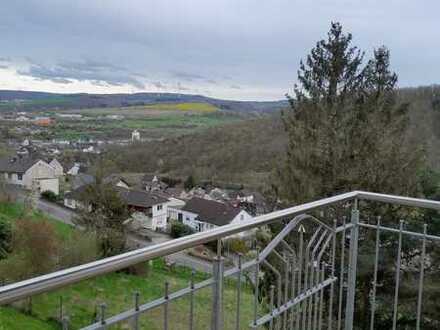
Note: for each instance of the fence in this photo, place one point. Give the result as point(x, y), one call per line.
point(305, 277)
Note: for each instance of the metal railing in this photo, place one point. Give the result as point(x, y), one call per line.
point(304, 278)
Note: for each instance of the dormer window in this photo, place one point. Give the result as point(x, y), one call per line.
point(19, 177)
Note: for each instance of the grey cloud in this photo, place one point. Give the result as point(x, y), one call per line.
point(187, 76)
point(159, 85)
point(98, 73)
point(235, 87)
point(181, 87)
point(221, 40)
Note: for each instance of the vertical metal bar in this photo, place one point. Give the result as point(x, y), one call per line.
point(65, 323)
point(217, 295)
point(136, 308)
point(286, 290)
point(191, 302)
point(341, 275)
point(316, 298)
point(102, 315)
point(256, 291)
point(351, 292)
point(237, 317)
point(332, 287)
point(321, 299)
point(165, 306)
point(61, 310)
point(421, 278)
point(271, 305)
point(376, 264)
point(301, 262)
point(307, 260)
point(396, 289)
point(292, 295)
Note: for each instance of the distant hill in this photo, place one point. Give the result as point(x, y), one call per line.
point(32, 101)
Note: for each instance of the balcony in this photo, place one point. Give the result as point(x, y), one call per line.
point(307, 276)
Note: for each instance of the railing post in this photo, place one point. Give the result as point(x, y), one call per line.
point(217, 295)
point(351, 290)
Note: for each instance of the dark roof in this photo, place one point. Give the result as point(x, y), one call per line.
point(216, 213)
point(77, 193)
point(17, 164)
point(82, 179)
point(130, 197)
point(140, 198)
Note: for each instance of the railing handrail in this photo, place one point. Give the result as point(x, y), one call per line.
point(48, 282)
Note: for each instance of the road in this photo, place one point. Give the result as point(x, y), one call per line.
point(58, 212)
point(66, 216)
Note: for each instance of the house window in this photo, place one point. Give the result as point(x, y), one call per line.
point(241, 217)
point(180, 217)
point(19, 177)
point(159, 207)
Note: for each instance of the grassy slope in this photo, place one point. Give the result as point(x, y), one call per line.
point(116, 290)
point(10, 212)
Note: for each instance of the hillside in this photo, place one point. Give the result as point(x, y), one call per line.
point(246, 152)
point(31, 101)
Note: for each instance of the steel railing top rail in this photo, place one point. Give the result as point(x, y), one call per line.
point(48, 282)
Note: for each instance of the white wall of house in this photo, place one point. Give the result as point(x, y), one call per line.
point(159, 216)
point(75, 205)
point(189, 219)
point(59, 170)
point(14, 178)
point(70, 203)
point(242, 216)
point(51, 184)
point(40, 170)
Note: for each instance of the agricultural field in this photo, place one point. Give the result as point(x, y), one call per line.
point(153, 121)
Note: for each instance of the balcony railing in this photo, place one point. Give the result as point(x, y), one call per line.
point(305, 277)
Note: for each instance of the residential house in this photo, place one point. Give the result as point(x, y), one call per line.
point(29, 172)
point(74, 199)
point(135, 135)
point(202, 214)
point(152, 182)
point(75, 169)
point(150, 204)
point(59, 170)
point(154, 207)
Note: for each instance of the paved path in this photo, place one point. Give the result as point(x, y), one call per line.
point(58, 212)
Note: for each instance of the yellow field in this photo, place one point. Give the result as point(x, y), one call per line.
point(188, 106)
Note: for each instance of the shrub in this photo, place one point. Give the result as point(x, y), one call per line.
point(5, 238)
point(49, 195)
point(238, 245)
point(35, 250)
point(179, 229)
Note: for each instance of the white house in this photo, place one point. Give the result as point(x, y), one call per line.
point(135, 135)
point(202, 214)
point(59, 170)
point(74, 170)
point(154, 207)
point(74, 199)
point(29, 172)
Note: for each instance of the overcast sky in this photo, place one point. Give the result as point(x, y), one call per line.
point(237, 49)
